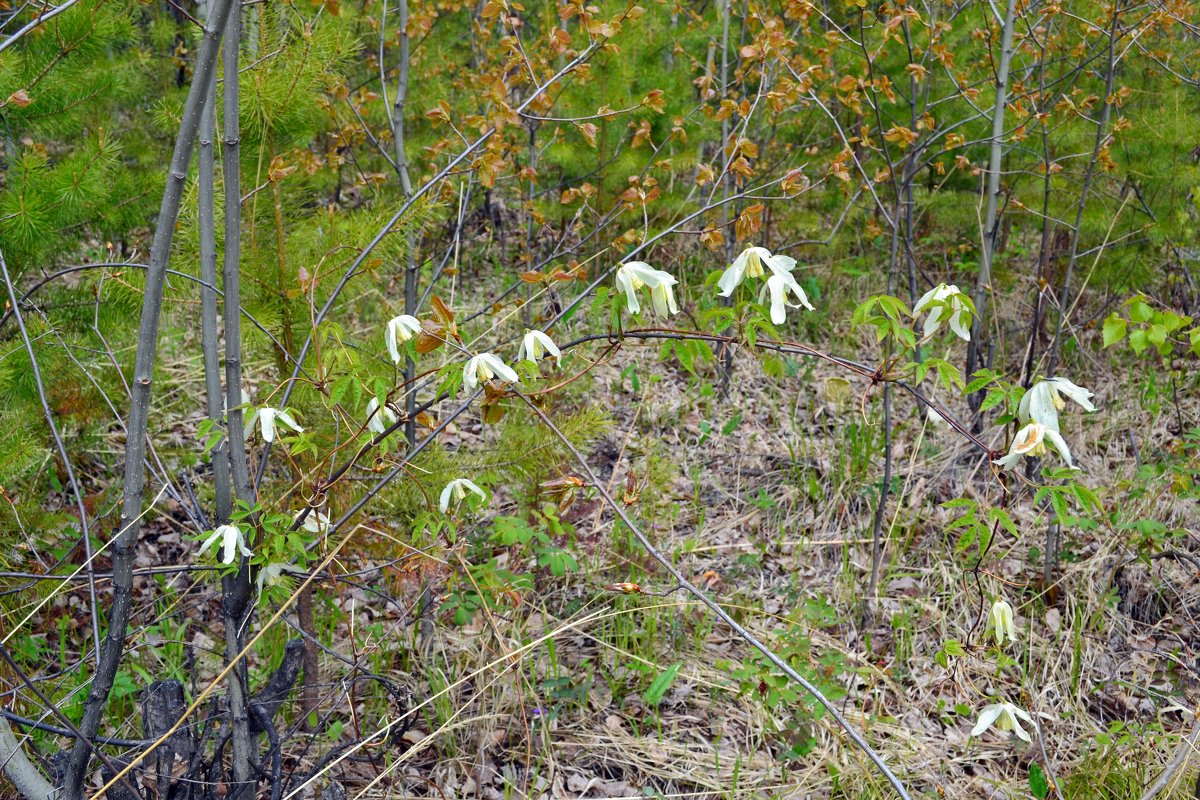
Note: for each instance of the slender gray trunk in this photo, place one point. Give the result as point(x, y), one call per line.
point(726, 179)
point(1053, 537)
point(231, 173)
point(235, 588)
point(991, 218)
point(410, 272)
point(19, 769)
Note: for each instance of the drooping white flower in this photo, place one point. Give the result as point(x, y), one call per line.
point(232, 542)
point(400, 329)
point(636, 274)
point(1042, 402)
point(1002, 622)
point(315, 522)
point(270, 418)
point(456, 492)
point(379, 418)
point(245, 401)
point(749, 264)
point(1031, 441)
point(780, 285)
point(951, 301)
point(485, 367)
point(537, 344)
point(272, 575)
point(1005, 717)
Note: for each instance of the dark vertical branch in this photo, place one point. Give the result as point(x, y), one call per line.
point(1050, 565)
point(1085, 192)
point(410, 272)
point(207, 221)
point(886, 481)
point(232, 176)
point(726, 178)
point(126, 537)
point(235, 588)
point(1048, 227)
point(991, 217)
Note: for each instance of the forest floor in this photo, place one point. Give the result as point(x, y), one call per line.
point(764, 492)
point(765, 496)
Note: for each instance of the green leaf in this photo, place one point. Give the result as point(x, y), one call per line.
point(1139, 311)
point(977, 384)
point(732, 425)
point(1139, 341)
point(1004, 518)
point(659, 686)
point(1114, 330)
point(1039, 787)
point(953, 648)
point(994, 398)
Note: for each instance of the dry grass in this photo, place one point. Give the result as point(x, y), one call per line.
point(546, 699)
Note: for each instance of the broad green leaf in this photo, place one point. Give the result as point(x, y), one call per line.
point(657, 689)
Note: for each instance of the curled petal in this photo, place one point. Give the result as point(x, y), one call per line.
point(986, 718)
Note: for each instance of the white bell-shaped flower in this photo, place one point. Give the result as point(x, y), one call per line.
point(1043, 401)
point(314, 522)
point(400, 329)
point(1031, 441)
point(636, 274)
point(379, 417)
point(456, 491)
point(269, 419)
point(780, 286)
point(945, 301)
point(485, 367)
point(536, 344)
point(272, 575)
point(1005, 717)
point(1002, 622)
point(232, 542)
point(750, 264)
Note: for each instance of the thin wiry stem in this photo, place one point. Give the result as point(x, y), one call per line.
point(991, 218)
point(80, 509)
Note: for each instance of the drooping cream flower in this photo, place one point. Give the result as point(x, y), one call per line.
point(1002, 622)
point(1031, 441)
point(949, 300)
point(315, 522)
point(1042, 402)
point(1005, 717)
point(379, 418)
point(780, 285)
point(232, 542)
point(750, 264)
point(536, 344)
point(456, 491)
point(269, 419)
point(485, 367)
point(272, 575)
point(400, 329)
point(636, 274)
